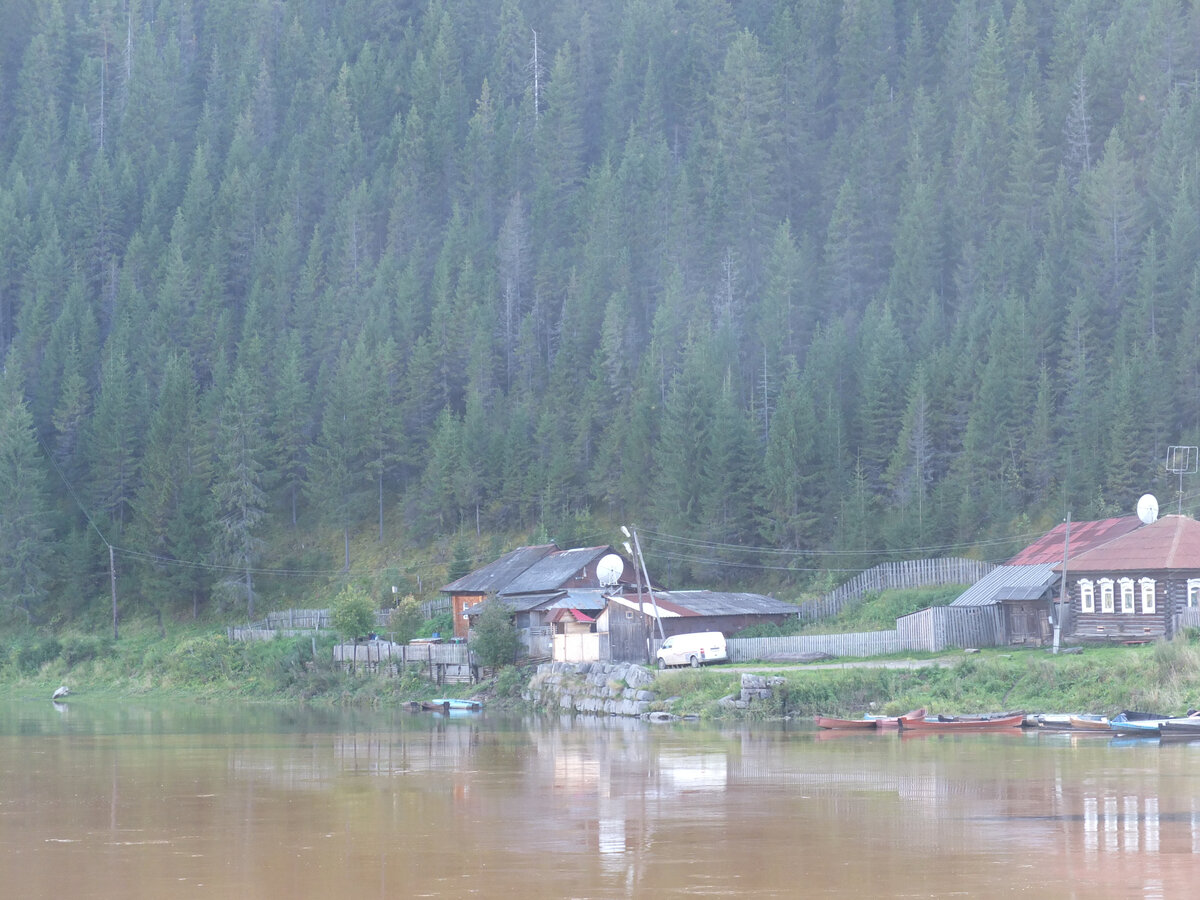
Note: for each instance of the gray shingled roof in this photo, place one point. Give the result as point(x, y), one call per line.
point(552, 571)
point(1008, 583)
point(719, 603)
point(497, 575)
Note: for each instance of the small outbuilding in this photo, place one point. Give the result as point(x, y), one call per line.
point(635, 622)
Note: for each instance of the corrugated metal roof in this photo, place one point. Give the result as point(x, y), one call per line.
point(1084, 536)
point(571, 613)
point(630, 601)
point(519, 603)
point(1008, 583)
point(709, 603)
point(580, 598)
point(497, 575)
point(553, 570)
point(1171, 542)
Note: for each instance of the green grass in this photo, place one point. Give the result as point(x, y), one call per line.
point(873, 611)
point(1163, 677)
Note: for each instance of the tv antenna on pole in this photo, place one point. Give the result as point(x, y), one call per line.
point(1182, 461)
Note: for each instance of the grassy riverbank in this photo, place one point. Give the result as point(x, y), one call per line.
point(197, 661)
point(1160, 677)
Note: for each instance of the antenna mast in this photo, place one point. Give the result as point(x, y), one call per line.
point(1182, 461)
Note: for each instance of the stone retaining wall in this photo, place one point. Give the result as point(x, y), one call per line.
point(596, 688)
point(622, 689)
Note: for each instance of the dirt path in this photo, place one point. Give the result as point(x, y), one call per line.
point(940, 662)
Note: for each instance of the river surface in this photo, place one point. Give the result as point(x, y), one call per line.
point(137, 800)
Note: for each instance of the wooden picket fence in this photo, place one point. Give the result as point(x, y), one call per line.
point(441, 663)
point(934, 629)
point(903, 575)
point(290, 623)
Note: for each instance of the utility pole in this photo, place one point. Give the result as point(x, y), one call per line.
point(1062, 587)
point(112, 578)
point(642, 562)
point(641, 608)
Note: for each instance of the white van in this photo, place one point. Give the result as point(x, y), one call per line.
point(694, 649)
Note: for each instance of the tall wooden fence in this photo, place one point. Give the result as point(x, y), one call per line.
point(911, 573)
point(290, 623)
point(441, 662)
point(934, 629)
point(799, 647)
point(941, 627)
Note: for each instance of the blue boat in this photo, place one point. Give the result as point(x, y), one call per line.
point(1137, 724)
point(451, 704)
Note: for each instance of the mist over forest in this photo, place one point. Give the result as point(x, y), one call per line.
point(295, 290)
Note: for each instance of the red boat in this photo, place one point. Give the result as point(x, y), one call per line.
point(894, 721)
point(866, 723)
point(963, 723)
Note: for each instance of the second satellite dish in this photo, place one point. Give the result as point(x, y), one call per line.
point(1147, 508)
point(609, 569)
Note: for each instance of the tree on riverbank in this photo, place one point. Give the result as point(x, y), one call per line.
point(25, 525)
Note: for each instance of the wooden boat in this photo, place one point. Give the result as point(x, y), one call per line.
point(451, 704)
point(1186, 727)
point(863, 724)
point(894, 721)
point(964, 723)
point(866, 723)
point(1073, 722)
point(1089, 723)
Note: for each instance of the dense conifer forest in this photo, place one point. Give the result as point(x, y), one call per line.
point(794, 286)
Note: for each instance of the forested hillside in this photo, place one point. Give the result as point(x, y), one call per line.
point(791, 285)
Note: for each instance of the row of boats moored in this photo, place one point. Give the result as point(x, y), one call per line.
point(1126, 723)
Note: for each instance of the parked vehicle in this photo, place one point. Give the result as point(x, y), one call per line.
point(693, 649)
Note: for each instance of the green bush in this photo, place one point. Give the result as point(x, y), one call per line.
point(352, 613)
point(204, 660)
point(405, 620)
point(495, 641)
point(442, 624)
point(34, 655)
point(82, 648)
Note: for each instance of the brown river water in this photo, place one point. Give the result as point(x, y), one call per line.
point(101, 799)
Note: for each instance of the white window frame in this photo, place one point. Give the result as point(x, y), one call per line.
point(1193, 593)
point(1107, 596)
point(1149, 595)
point(1126, 585)
point(1087, 594)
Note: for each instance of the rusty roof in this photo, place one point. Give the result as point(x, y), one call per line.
point(499, 574)
point(1171, 542)
point(1084, 536)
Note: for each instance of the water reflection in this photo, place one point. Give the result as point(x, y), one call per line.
point(133, 799)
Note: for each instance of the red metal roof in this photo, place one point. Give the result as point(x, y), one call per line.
point(561, 613)
point(1084, 537)
point(1172, 542)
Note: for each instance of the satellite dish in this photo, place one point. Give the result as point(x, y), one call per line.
point(1147, 508)
point(609, 569)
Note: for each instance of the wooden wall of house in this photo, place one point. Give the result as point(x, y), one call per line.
point(728, 625)
point(627, 632)
point(458, 603)
point(1026, 622)
point(1120, 627)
